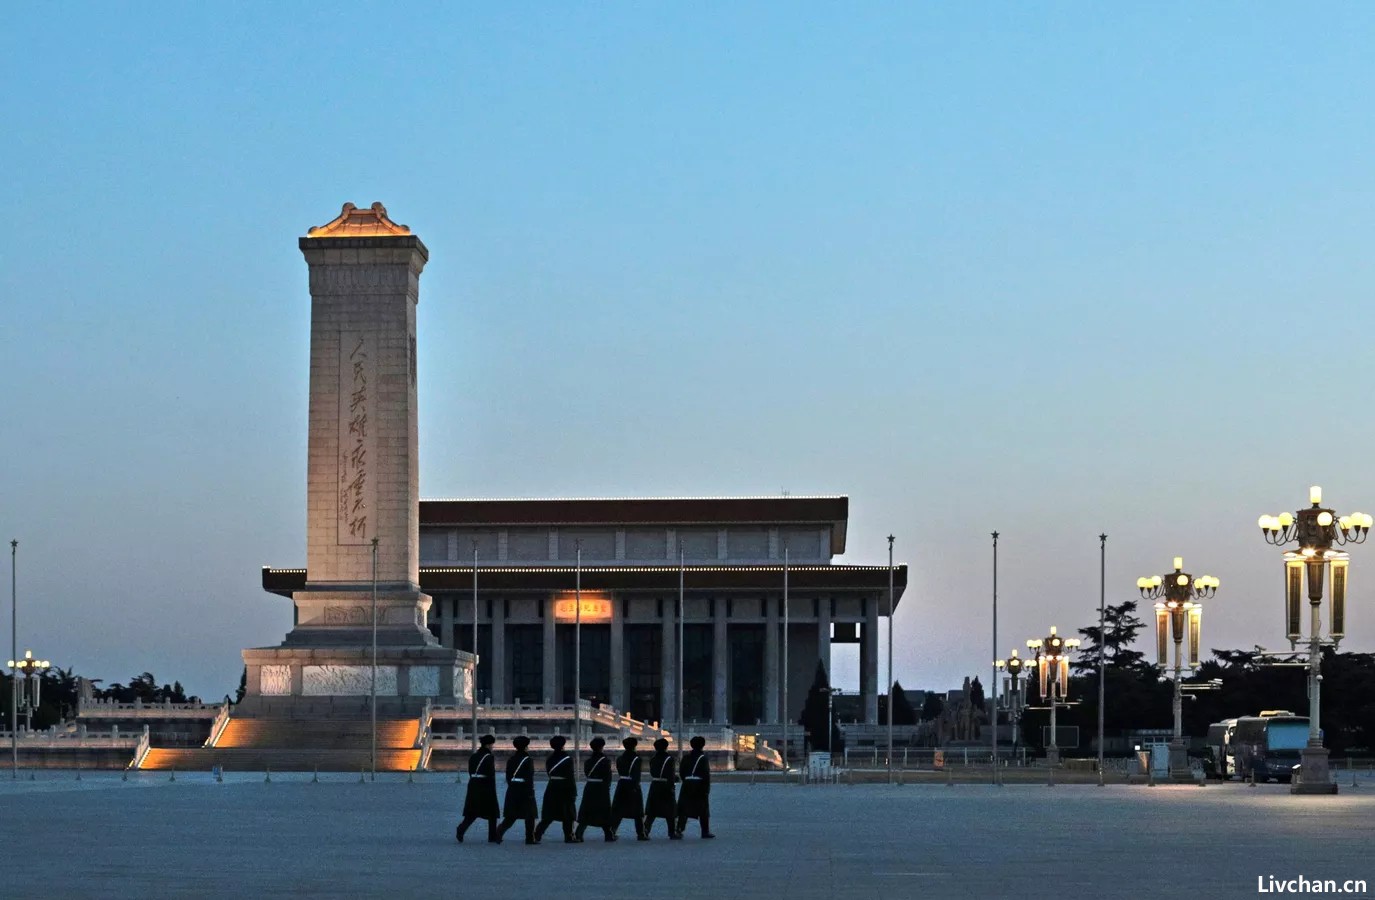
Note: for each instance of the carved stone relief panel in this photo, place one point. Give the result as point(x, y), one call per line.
point(347, 681)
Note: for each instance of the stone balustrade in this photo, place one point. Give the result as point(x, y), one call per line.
point(112, 709)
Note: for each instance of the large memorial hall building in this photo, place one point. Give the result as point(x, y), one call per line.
point(732, 576)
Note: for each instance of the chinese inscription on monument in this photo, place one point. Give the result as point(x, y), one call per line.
point(357, 455)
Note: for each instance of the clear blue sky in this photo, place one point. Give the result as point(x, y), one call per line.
point(1052, 269)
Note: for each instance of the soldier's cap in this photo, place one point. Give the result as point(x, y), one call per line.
point(597, 743)
point(520, 741)
point(661, 745)
point(630, 743)
point(557, 742)
point(487, 739)
point(698, 742)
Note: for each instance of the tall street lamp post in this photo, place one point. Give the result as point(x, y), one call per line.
point(476, 658)
point(1316, 531)
point(1013, 700)
point(890, 660)
point(1179, 600)
point(1052, 665)
point(14, 651)
point(31, 670)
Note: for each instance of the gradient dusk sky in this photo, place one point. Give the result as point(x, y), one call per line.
point(1053, 269)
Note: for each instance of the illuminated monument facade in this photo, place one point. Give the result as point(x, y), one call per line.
point(363, 485)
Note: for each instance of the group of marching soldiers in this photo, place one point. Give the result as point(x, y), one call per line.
point(601, 808)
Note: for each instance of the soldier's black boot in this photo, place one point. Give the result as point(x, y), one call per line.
point(706, 828)
point(577, 835)
point(539, 830)
point(530, 832)
point(610, 834)
point(461, 829)
point(568, 833)
point(641, 832)
point(494, 832)
point(682, 823)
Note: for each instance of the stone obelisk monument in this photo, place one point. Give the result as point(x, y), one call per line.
point(363, 485)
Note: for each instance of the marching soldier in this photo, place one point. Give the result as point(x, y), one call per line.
point(561, 794)
point(693, 799)
point(520, 791)
point(481, 799)
point(628, 802)
point(660, 801)
point(596, 793)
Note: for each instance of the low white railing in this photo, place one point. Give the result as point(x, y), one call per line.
point(600, 714)
point(425, 737)
point(108, 709)
point(141, 751)
point(69, 738)
point(217, 729)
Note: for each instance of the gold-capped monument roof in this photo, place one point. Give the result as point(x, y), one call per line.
point(355, 222)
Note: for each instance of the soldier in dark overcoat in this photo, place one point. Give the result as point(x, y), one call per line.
point(660, 804)
point(694, 798)
point(520, 791)
point(481, 799)
point(561, 794)
point(596, 793)
point(628, 802)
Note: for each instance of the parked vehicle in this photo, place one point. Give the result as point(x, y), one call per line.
point(1219, 756)
point(1267, 746)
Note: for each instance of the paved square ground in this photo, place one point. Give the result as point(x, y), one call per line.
point(148, 837)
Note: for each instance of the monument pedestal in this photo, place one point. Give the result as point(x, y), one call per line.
point(337, 680)
point(1317, 777)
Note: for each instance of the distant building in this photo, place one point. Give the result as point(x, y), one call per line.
point(733, 551)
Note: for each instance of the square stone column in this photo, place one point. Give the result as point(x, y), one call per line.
point(617, 660)
point(498, 669)
point(446, 622)
point(668, 665)
point(720, 656)
point(551, 671)
point(868, 660)
point(823, 635)
point(772, 694)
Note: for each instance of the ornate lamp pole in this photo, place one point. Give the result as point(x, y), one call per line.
point(1013, 700)
point(1052, 663)
point(1316, 531)
point(31, 670)
point(1178, 597)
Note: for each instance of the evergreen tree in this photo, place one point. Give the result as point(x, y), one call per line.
point(903, 714)
point(932, 706)
point(243, 686)
point(1122, 627)
point(816, 717)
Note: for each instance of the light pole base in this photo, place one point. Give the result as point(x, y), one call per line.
point(1316, 777)
point(1180, 772)
point(1053, 756)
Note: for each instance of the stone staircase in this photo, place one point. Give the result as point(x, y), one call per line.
point(288, 744)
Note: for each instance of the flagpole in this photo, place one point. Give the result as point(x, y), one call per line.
point(681, 610)
point(890, 659)
point(994, 716)
point(475, 656)
point(1102, 672)
point(14, 655)
point(577, 660)
point(785, 661)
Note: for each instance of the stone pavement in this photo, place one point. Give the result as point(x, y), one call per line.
point(149, 837)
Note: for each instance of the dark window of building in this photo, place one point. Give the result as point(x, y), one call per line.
point(746, 674)
point(526, 644)
point(697, 673)
point(596, 662)
point(644, 651)
point(463, 640)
